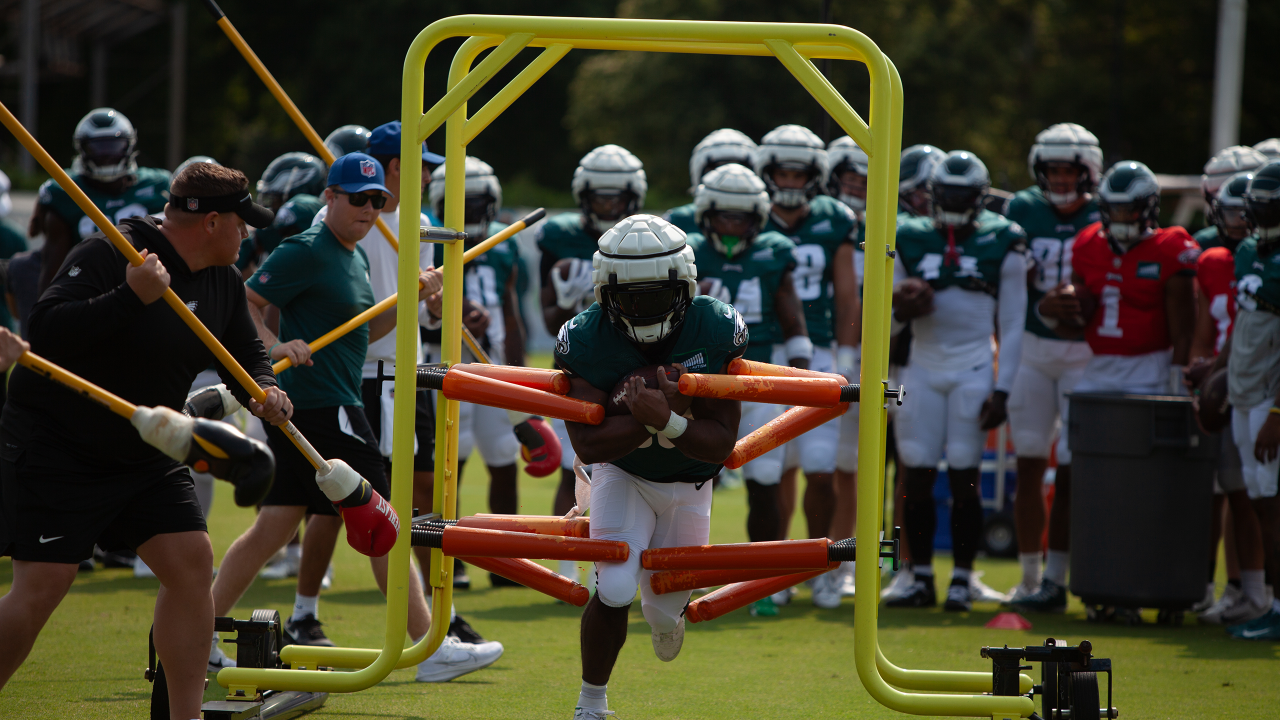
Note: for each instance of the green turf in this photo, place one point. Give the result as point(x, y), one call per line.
point(89, 660)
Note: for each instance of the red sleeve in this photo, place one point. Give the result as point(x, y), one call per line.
point(1182, 249)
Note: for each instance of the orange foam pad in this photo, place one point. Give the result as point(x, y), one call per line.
point(732, 597)
point(531, 574)
point(545, 379)
point(792, 554)
point(809, 392)
point(669, 581)
point(468, 542)
point(578, 527)
point(781, 430)
point(739, 366)
point(464, 386)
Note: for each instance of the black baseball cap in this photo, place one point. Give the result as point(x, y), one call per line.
point(240, 203)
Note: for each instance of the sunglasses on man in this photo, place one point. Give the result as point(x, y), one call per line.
point(359, 199)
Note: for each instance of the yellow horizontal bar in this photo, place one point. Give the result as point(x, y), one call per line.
point(474, 80)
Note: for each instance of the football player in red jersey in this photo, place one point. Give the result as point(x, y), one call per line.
point(1131, 295)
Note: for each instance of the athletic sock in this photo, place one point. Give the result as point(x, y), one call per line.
point(1254, 586)
point(593, 696)
point(1055, 567)
point(304, 606)
point(1031, 572)
point(961, 574)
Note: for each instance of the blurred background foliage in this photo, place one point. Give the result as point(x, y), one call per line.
point(982, 75)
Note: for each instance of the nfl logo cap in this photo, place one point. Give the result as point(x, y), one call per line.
point(386, 141)
point(357, 172)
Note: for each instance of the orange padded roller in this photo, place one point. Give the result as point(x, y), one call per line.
point(553, 381)
point(578, 527)
point(781, 430)
point(669, 581)
point(739, 366)
point(793, 554)
point(469, 387)
point(468, 542)
point(531, 574)
point(732, 597)
point(805, 391)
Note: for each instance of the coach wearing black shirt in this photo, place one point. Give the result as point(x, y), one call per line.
point(73, 474)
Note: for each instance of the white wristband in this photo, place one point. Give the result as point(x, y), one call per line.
point(675, 426)
point(799, 346)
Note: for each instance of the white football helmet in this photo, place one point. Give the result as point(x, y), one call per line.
point(609, 171)
point(1129, 202)
point(721, 147)
point(958, 186)
point(792, 147)
point(1066, 143)
point(1225, 163)
point(644, 277)
point(106, 146)
point(483, 197)
point(731, 188)
point(1269, 147)
point(845, 155)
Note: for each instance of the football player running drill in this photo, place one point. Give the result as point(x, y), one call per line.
point(1130, 295)
point(954, 273)
point(1066, 163)
point(793, 163)
point(740, 264)
point(1215, 315)
point(721, 147)
point(651, 479)
point(608, 185)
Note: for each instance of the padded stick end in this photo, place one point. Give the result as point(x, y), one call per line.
point(534, 217)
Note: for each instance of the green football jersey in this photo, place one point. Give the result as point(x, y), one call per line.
point(829, 224)
point(683, 218)
point(562, 237)
point(1257, 277)
point(1050, 237)
point(712, 334)
point(750, 281)
point(922, 249)
point(1207, 237)
point(147, 196)
point(485, 282)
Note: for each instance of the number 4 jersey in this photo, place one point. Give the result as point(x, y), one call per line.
point(750, 282)
point(1131, 317)
point(829, 224)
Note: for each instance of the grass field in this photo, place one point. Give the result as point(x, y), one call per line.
point(89, 660)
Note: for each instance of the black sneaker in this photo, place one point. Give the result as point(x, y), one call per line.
point(461, 580)
point(959, 599)
point(498, 581)
point(1050, 598)
point(463, 631)
point(921, 595)
point(306, 631)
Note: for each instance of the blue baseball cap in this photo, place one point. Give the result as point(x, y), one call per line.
point(386, 141)
point(357, 172)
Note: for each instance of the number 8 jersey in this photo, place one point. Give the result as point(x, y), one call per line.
point(1130, 288)
point(829, 224)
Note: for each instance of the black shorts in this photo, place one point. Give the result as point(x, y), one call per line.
point(356, 445)
point(424, 427)
point(55, 509)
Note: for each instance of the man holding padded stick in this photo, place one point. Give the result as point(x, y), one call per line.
point(72, 474)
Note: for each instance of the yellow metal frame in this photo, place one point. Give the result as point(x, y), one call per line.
point(796, 46)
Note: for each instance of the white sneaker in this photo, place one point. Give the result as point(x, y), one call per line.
point(981, 592)
point(826, 590)
point(581, 713)
point(217, 658)
point(846, 583)
point(285, 567)
point(1019, 591)
point(140, 569)
point(667, 645)
point(902, 585)
point(1230, 598)
point(1246, 610)
point(1207, 602)
point(456, 658)
point(783, 597)
point(326, 582)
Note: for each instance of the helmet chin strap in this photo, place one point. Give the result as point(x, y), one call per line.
point(649, 334)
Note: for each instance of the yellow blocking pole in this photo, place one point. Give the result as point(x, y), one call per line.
point(290, 108)
point(64, 181)
point(102, 396)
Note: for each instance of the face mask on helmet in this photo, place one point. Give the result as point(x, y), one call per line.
point(605, 207)
point(1063, 183)
point(647, 312)
point(956, 205)
point(478, 212)
point(731, 233)
point(1264, 216)
point(791, 185)
point(848, 182)
point(1128, 223)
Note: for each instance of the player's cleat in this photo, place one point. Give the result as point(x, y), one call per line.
point(1246, 610)
point(826, 590)
point(86, 566)
point(461, 580)
point(763, 607)
point(284, 567)
point(1051, 597)
point(901, 585)
point(217, 658)
point(462, 630)
point(1230, 597)
point(981, 592)
point(1019, 591)
point(455, 658)
point(959, 597)
point(782, 598)
point(921, 595)
point(326, 582)
point(307, 631)
point(1207, 602)
point(140, 569)
point(846, 579)
point(581, 713)
point(667, 645)
point(1266, 627)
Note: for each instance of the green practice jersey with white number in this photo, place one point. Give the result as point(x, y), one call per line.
point(922, 248)
point(829, 224)
point(750, 281)
point(485, 283)
point(1049, 238)
point(146, 196)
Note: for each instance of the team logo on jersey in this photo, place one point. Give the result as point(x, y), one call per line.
point(193, 204)
point(367, 168)
point(264, 278)
point(764, 255)
point(1148, 270)
point(286, 216)
point(822, 227)
point(1064, 228)
point(739, 328)
point(1188, 256)
point(562, 339)
point(114, 203)
point(147, 191)
point(730, 267)
point(984, 239)
point(74, 271)
point(193, 305)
